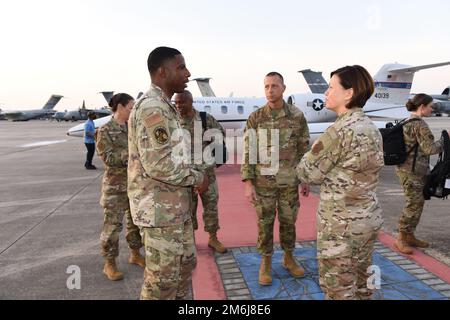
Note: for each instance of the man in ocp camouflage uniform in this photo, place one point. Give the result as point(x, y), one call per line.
point(276, 190)
point(160, 183)
point(191, 121)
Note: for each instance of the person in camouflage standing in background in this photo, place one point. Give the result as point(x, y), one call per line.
point(275, 189)
point(112, 147)
point(191, 121)
point(346, 161)
point(413, 171)
point(160, 182)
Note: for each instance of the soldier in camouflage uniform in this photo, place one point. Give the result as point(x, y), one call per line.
point(191, 121)
point(346, 161)
point(112, 147)
point(412, 174)
point(273, 191)
point(160, 183)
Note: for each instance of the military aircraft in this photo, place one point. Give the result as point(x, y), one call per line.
point(59, 116)
point(315, 81)
point(81, 113)
point(392, 89)
point(25, 115)
point(442, 102)
point(109, 94)
point(204, 86)
point(318, 84)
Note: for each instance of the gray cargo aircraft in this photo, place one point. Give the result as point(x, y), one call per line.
point(442, 102)
point(81, 113)
point(25, 115)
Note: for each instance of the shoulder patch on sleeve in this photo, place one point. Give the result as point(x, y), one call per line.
point(153, 119)
point(161, 135)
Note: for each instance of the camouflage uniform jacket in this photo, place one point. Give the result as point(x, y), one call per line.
point(419, 132)
point(346, 161)
point(112, 147)
point(189, 124)
point(293, 144)
point(159, 186)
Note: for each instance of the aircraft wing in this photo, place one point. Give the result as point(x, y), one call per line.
point(418, 68)
point(399, 112)
point(14, 115)
point(102, 112)
point(78, 131)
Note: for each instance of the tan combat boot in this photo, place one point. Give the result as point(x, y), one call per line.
point(110, 270)
point(291, 265)
point(265, 271)
point(215, 243)
point(402, 245)
point(414, 242)
point(136, 258)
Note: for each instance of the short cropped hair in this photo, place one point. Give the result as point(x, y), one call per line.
point(186, 93)
point(360, 80)
point(159, 56)
point(275, 74)
point(92, 115)
point(418, 100)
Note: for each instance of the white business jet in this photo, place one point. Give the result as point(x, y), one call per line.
point(392, 89)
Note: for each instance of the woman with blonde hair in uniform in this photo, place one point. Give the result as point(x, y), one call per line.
point(420, 145)
point(345, 161)
point(112, 147)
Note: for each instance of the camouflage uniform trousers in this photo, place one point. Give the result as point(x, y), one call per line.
point(170, 258)
point(414, 201)
point(115, 208)
point(345, 277)
point(286, 202)
point(210, 200)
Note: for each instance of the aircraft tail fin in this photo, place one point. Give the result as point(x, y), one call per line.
point(316, 82)
point(394, 81)
point(204, 86)
point(52, 102)
point(107, 95)
point(140, 94)
point(446, 91)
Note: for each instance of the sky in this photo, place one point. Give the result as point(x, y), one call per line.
point(78, 48)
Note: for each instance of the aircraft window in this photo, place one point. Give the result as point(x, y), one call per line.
point(224, 109)
point(255, 108)
point(240, 109)
point(207, 109)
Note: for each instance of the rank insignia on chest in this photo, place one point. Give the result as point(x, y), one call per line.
point(161, 135)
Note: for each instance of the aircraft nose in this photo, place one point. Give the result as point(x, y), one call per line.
point(436, 106)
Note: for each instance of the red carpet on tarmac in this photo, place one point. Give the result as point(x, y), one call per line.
point(238, 222)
